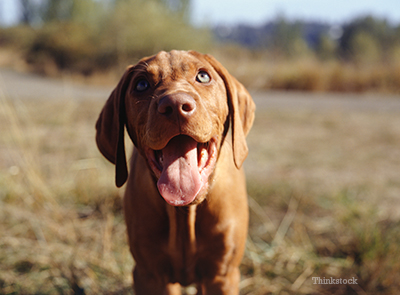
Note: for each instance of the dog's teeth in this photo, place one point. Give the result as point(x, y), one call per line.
point(158, 158)
point(202, 158)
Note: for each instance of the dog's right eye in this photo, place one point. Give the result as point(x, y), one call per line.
point(142, 85)
point(203, 77)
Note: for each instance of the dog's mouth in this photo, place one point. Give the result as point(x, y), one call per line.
point(183, 168)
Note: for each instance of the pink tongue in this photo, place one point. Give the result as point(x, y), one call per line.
point(180, 179)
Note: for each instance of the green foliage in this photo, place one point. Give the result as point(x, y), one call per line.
point(364, 48)
point(58, 10)
point(137, 28)
point(367, 39)
point(288, 39)
point(88, 35)
point(326, 48)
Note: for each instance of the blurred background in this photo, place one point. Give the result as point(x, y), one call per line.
point(323, 172)
point(297, 45)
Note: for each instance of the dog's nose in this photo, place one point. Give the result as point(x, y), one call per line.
point(180, 104)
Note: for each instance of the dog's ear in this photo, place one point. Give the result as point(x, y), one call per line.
point(241, 108)
point(110, 127)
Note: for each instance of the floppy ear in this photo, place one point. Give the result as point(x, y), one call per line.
point(110, 129)
point(241, 107)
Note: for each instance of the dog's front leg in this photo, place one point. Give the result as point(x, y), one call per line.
point(222, 285)
point(149, 284)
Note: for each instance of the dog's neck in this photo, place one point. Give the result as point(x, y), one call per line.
point(182, 236)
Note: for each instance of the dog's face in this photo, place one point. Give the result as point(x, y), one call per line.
point(173, 94)
point(177, 121)
point(177, 108)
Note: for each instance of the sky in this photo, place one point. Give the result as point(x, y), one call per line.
point(229, 12)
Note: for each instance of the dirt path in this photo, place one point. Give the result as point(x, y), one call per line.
point(26, 86)
point(327, 101)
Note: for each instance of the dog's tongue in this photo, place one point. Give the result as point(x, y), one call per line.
point(180, 179)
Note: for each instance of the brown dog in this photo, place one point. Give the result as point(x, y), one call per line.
point(185, 201)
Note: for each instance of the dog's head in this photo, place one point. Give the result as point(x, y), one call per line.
point(177, 108)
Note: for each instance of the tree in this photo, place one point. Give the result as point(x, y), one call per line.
point(29, 11)
point(288, 38)
point(365, 36)
point(57, 10)
point(182, 7)
point(364, 48)
point(326, 47)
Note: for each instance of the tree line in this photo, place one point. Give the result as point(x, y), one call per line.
point(362, 40)
point(87, 36)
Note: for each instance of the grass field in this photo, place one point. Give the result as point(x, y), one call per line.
point(324, 190)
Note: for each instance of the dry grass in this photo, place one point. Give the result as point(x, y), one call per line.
point(256, 70)
point(262, 70)
point(323, 191)
point(61, 225)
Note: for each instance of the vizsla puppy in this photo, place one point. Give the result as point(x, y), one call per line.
point(185, 201)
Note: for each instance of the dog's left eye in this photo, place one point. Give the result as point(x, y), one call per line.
point(203, 77)
point(142, 85)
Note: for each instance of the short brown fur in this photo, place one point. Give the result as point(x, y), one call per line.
point(202, 243)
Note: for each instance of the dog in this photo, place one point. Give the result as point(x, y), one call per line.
point(185, 202)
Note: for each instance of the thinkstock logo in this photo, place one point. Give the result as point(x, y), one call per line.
point(332, 281)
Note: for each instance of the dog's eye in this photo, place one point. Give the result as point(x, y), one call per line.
point(203, 77)
point(142, 85)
